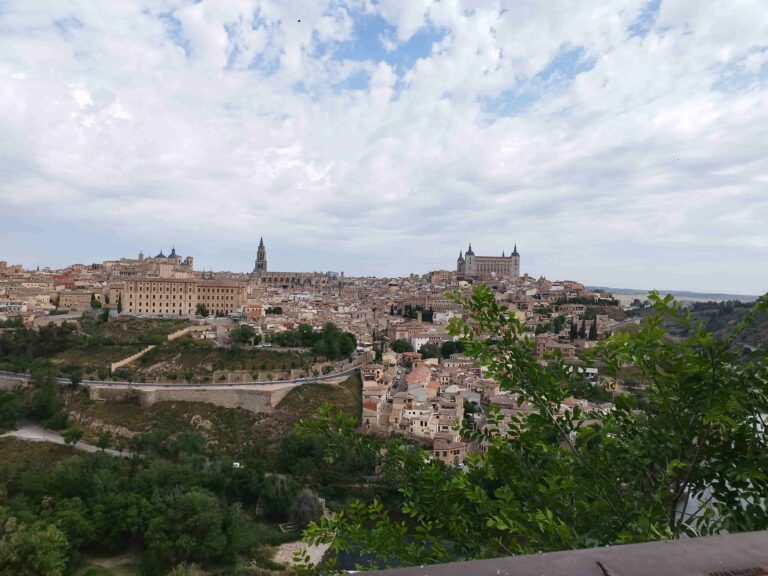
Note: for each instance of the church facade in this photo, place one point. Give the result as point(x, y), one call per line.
point(472, 267)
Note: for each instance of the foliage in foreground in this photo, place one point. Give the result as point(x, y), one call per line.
point(690, 458)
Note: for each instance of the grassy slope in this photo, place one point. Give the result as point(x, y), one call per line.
point(19, 456)
point(202, 356)
point(305, 401)
point(232, 430)
point(226, 428)
point(720, 323)
point(92, 359)
point(132, 330)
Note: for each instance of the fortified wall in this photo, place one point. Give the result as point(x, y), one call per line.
point(252, 400)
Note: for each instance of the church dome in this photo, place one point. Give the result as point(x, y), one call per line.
point(161, 255)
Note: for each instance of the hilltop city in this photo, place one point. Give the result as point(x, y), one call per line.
point(416, 380)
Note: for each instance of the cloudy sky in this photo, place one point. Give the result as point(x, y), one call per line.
point(621, 143)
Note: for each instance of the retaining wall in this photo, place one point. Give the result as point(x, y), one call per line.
point(120, 363)
point(188, 330)
point(257, 401)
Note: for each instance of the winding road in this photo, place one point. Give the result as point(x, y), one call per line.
point(34, 433)
point(24, 379)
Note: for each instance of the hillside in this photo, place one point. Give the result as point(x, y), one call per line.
point(721, 318)
point(724, 317)
point(232, 431)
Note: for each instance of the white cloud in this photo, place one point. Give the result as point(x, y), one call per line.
point(608, 156)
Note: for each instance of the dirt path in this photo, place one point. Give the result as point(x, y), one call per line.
point(34, 433)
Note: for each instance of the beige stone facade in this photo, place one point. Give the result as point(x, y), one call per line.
point(156, 296)
point(178, 296)
point(76, 300)
point(221, 296)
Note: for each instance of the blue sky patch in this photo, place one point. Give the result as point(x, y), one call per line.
point(367, 43)
point(175, 31)
point(735, 77)
point(644, 22)
point(556, 76)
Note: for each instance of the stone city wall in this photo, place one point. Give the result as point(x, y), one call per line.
point(120, 363)
point(257, 401)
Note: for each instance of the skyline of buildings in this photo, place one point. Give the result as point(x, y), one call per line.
point(287, 256)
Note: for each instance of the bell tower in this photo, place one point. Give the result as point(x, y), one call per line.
point(260, 267)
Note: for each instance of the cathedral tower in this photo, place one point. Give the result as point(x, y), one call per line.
point(260, 267)
point(470, 266)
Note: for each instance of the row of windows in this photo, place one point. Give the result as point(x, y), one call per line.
point(171, 310)
point(167, 296)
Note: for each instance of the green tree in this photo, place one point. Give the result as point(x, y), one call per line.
point(95, 302)
point(72, 435)
point(71, 515)
point(574, 332)
point(201, 310)
point(451, 347)
point(244, 334)
point(120, 303)
point(11, 409)
point(689, 459)
point(558, 324)
point(593, 330)
point(75, 374)
point(104, 440)
point(306, 508)
point(37, 549)
point(430, 350)
point(190, 528)
point(401, 346)
point(583, 329)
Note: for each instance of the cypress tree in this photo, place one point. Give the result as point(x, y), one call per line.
point(593, 330)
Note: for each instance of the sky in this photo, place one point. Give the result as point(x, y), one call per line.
point(620, 143)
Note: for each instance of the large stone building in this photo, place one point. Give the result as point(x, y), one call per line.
point(221, 296)
point(162, 266)
point(469, 266)
point(178, 296)
point(77, 300)
point(261, 275)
